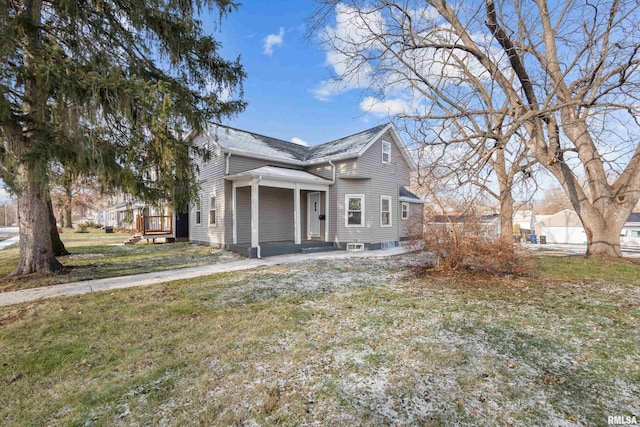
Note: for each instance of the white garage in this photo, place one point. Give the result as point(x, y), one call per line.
point(563, 227)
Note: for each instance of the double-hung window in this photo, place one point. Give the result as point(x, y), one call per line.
point(385, 211)
point(405, 210)
point(354, 210)
point(199, 211)
point(212, 210)
point(386, 151)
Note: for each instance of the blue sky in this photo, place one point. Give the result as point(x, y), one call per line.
point(283, 81)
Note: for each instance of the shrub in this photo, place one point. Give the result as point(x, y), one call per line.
point(463, 243)
point(91, 224)
point(81, 228)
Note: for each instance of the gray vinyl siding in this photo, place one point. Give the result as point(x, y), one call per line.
point(355, 234)
point(211, 182)
point(243, 214)
point(385, 180)
point(239, 164)
point(276, 214)
point(416, 218)
point(228, 212)
point(326, 171)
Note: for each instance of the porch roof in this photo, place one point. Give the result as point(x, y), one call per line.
point(272, 174)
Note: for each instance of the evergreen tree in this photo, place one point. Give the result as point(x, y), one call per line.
point(109, 88)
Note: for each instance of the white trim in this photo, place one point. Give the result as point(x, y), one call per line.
point(411, 200)
point(402, 211)
point(326, 214)
point(215, 208)
point(390, 199)
point(309, 213)
point(234, 210)
point(387, 152)
point(255, 214)
point(346, 210)
point(355, 247)
point(397, 139)
point(297, 224)
point(251, 155)
point(198, 211)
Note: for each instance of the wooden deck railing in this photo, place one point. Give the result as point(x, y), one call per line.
point(154, 224)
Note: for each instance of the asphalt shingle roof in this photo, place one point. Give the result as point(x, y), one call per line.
point(235, 139)
point(408, 194)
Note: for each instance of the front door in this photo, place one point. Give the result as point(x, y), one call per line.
point(313, 214)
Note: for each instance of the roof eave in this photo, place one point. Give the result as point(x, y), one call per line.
point(410, 200)
point(261, 156)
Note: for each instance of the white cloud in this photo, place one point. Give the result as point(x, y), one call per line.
point(386, 108)
point(273, 40)
point(4, 196)
point(357, 35)
point(299, 141)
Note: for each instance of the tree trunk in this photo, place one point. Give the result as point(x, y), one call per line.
point(603, 235)
point(506, 215)
point(58, 246)
point(67, 208)
point(36, 249)
point(603, 241)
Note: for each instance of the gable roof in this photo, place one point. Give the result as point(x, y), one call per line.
point(256, 145)
point(352, 144)
point(237, 140)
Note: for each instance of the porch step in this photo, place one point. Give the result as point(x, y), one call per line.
point(133, 240)
point(316, 249)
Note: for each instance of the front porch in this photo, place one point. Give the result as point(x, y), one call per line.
point(277, 211)
point(155, 226)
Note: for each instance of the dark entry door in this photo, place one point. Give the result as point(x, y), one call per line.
point(182, 225)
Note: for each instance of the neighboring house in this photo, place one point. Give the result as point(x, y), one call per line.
point(630, 234)
point(263, 196)
point(149, 222)
point(525, 220)
point(490, 223)
point(562, 227)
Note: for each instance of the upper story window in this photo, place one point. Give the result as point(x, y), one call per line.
point(212, 210)
point(354, 210)
point(386, 151)
point(385, 211)
point(405, 210)
point(199, 211)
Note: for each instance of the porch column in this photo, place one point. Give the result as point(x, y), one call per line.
point(326, 216)
point(234, 218)
point(296, 215)
point(255, 214)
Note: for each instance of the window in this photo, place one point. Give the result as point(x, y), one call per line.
point(199, 211)
point(635, 233)
point(212, 210)
point(386, 152)
point(385, 211)
point(405, 210)
point(354, 210)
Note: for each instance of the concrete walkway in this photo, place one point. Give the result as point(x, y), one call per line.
point(98, 285)
point(8, 242)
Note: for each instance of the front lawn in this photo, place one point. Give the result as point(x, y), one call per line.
point(98, 255)
point(343, 342)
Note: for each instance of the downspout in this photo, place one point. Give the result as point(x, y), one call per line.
point(226, 167)
point(334, 171)
point(258, 254)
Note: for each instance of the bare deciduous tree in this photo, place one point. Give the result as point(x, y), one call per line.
point(557, 83)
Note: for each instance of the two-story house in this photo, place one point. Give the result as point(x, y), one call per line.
point(263, 196)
